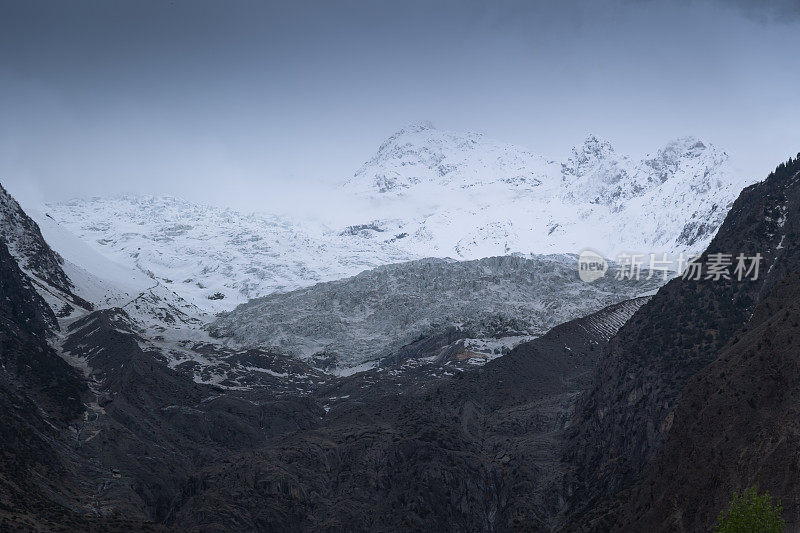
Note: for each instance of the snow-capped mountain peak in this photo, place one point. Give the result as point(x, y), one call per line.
point(596, 174)
point(592, 150)
point(416, 127)
point(690, 157)
point(421, 155)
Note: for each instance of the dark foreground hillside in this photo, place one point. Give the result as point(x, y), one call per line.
point(630, 410)
point(737, 425)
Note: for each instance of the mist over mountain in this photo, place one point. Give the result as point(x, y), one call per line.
point(425, 193)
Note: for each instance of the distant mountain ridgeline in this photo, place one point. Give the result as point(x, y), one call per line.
point(425, 193)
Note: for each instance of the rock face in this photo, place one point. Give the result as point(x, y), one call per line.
point(34, 382)
point(625, 418)
point(43, 266)
point(26, 244)
point(145, 428)
point(594, 173)
point(28, 361)
point(150, 426)
point(735, 427)
point(374, 314)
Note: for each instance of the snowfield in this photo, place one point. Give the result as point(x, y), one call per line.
point(425, 193)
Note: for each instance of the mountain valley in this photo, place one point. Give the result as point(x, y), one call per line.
point(182, 367)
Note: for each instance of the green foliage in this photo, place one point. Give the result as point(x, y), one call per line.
point(750, 512)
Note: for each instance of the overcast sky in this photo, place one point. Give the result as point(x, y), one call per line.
point(245, 102)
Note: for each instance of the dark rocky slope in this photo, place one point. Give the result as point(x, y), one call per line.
point(737, 425)
point(33, 255)
point(109, 449)
point(28, 361)
point(25, 242)
point(151, 426)
point(40, 394)
point(145, 429)
point(478, 451)
point(626, 416)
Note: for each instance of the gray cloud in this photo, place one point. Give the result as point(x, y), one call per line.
point(764, 11)
point(767, 10)
point(240, 101)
